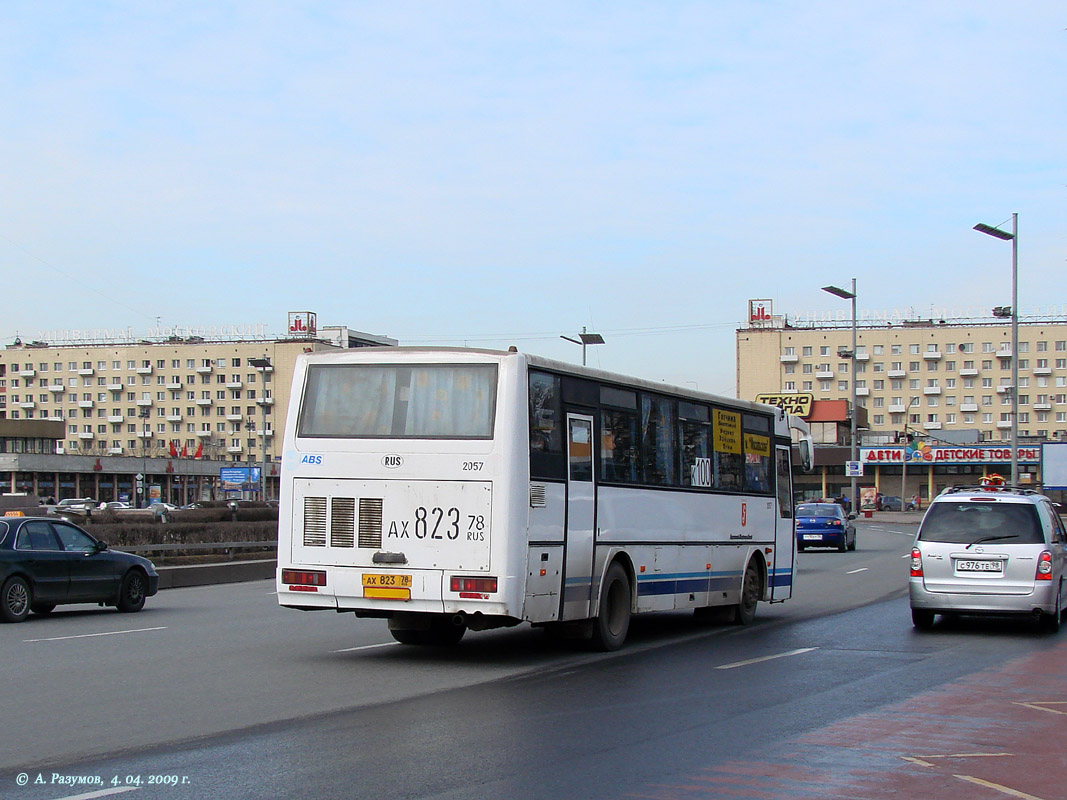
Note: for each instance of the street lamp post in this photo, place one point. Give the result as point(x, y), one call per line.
point(904, 461)
point(585, 339)
point(1013, 237)
point(250, 425)
point(262, 364)
point(844, 294)
point(144, 414)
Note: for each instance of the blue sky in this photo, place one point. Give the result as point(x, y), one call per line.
point(502, 173)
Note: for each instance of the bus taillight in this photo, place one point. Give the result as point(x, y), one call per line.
point(473, 588)
point(303, 580)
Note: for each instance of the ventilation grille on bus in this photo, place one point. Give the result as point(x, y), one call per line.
point(314, 522)
point(342, 522)
point(370, 522)
point(537, 495)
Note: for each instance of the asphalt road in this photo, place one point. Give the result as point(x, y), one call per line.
point(223, 692)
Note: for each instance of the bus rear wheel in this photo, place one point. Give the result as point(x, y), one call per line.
point(751, 590)
point(613, 619)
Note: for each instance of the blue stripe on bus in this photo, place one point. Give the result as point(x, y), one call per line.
point(686, 582)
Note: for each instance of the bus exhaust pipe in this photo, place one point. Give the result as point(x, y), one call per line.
point(459, 620)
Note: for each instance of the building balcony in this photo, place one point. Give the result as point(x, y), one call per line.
point(969, 372)
point(863, 356)
point(144, 370)
point(896, 409)
point(174, 418)
point(27, 404)
point(145, 434)
point(1042, 406)
point(86, 435)
point(144, 402)
point(235, 385)
point(862, 391)
point(203, 434)
point(968, 407)
point(1042, 370)
point(86, 372)
point(932, 426)
point(174, 385)
point(56, 419)
point(1004, 424)
point(27, 373)
point(204, 370)
point(266, 434)
point(1003, 390)
point(932, 390)
point(235, 448)
point(896, 373)
point(932, 355)
point(85, 404)
point(265, 401)
point(789, 359)
point(114, 451)
point(235, 417)
point(824, 376)
point(204, 401)
point(57, 388)
point(114, 387)
point(115, 418)
point(1004, 352)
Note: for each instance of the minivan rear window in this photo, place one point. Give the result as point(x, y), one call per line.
point(965, 522)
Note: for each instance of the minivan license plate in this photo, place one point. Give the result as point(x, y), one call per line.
point(979, 566)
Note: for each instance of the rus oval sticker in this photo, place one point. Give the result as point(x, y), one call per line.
point(392, 461)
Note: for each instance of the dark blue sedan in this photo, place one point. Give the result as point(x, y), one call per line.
point(825, 525)
point(45, 562)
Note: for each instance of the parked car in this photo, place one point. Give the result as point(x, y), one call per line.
point(889, 502)
point(825, 525)
point(989, 550)
point(45, 562)
point(115, 505)
point(79, 504)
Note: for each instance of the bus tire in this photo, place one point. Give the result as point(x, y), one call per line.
point(444, 633)
point(407, 635)
point(751, 589)
point(613, 619)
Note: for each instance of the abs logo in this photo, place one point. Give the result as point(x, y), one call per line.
point(308, 458)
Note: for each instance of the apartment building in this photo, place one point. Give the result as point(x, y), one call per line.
point(169, 407)
point(945, 382)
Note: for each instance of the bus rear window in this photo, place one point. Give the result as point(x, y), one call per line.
point(391, 401)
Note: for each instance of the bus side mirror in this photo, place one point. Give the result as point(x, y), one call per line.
point(806, 456)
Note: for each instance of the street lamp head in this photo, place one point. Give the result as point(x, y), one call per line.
point(837, 291)
point(981, 227)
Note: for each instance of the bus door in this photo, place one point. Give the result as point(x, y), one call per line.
point(578, 578)
point(785, 541)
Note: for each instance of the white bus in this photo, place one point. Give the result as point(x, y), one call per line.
point(454, 489)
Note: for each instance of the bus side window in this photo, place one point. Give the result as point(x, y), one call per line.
point(547, 461)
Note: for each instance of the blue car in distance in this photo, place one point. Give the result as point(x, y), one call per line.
point(825, 525)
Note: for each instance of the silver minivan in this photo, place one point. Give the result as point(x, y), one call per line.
point(989, 550)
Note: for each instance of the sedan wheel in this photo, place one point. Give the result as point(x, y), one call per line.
point(15, 599)
point(133, 592)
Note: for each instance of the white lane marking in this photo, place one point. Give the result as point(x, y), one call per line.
point(101, 793)
point(90, 635)
point(997, 787)
point(365, 647)
point(736, 664)
point(853, 572)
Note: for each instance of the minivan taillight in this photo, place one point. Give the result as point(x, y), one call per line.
point(916, 563)
point(1044, 567)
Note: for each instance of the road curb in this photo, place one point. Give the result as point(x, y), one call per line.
point(207, 574)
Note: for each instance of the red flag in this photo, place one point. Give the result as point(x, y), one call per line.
point(199, 450)
point(173, 450)
point(185, 451)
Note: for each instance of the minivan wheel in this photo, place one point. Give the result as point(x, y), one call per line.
point(922, 619)
point(1051, 622)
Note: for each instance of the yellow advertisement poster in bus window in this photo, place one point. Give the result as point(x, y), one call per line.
point(756, 445)
point(727, 432)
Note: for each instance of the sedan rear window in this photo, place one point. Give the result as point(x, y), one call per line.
point(819, 510)
point(967, 522)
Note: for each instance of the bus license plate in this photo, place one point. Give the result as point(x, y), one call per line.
point(979, 566)
point(387, 587)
